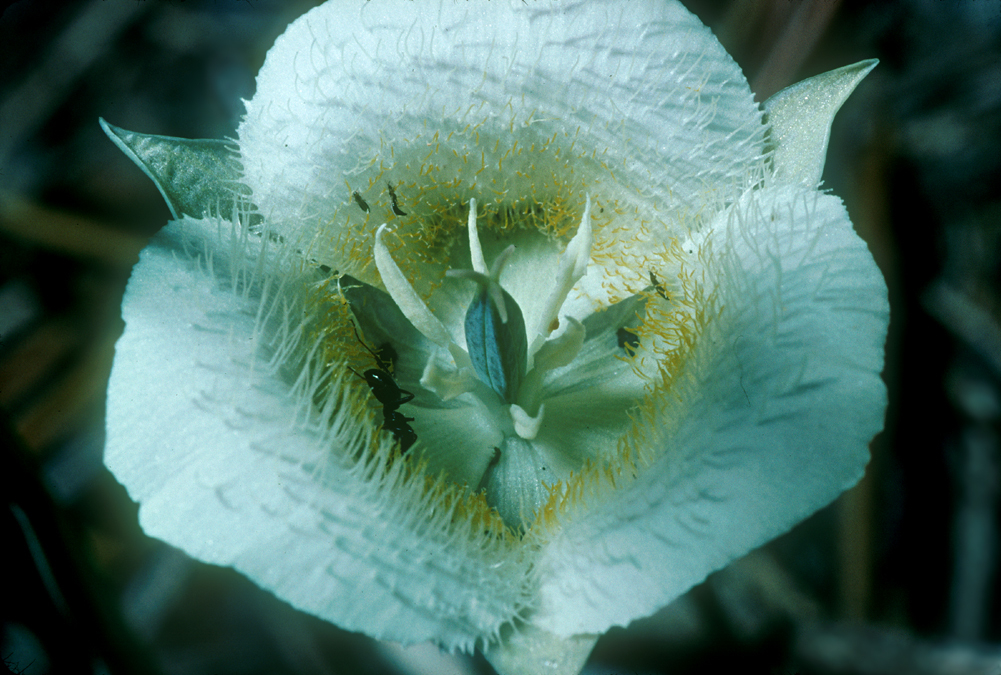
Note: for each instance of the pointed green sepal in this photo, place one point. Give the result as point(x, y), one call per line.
point(498, 349)
point(800, 117)
point(195, 177)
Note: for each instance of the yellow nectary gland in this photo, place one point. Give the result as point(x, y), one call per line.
point(527, 170)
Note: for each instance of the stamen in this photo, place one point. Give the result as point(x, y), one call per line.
point(406, 297)
point(572, 266)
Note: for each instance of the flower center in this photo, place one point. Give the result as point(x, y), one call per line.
point(503, 406)
point(497, 353)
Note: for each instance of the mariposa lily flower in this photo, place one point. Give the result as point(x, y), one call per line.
point(500, 324)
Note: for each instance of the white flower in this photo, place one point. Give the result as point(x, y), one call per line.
point(678, 359)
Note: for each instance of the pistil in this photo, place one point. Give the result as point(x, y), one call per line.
point(497, 353)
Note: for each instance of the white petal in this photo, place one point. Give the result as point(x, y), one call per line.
point(215, 448)
point(800, 117)
point(635, 102)
point(770, 419)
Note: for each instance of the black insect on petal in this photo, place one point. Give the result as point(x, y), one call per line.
point(392, 196)
point(387, 392)
point(397, 424)
point(385, 357)
point(657, 286)
point(385, 389)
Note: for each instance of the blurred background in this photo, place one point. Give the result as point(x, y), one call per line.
point(899, 576)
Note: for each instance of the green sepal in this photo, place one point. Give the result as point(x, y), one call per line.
point(196, 177)
point(799, 121)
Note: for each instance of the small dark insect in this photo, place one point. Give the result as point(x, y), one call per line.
point(389, 394)
point(386, 357)
point(361, 202)
point(385, 389)
point(628, 340)
point(392, 195)
point(396, 423)
point(657, 286)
